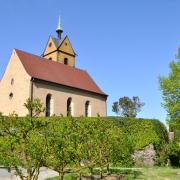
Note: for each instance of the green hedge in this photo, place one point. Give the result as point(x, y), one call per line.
point(139, 131)
point(142, 132)
point(63, 142)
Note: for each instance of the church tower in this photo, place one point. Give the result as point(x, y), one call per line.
point(60, 49)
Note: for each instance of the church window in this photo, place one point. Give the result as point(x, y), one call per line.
point(50, 44)
point(12, 81)
point(87, 109)
point(49, 105)
point(66, 61)
point(69, 107)
point(11, 95)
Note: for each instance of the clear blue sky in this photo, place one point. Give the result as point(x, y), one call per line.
point(124, 44)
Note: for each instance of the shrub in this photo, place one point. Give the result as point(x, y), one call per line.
point(173, 153)
point(63, 142)
point(143, 132)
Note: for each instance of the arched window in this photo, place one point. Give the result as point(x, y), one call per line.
point(69, 107)
point(66, 61)
point(49, 105)
point(50, 58)
point(87, 109)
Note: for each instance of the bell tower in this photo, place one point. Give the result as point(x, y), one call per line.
point(60, 49)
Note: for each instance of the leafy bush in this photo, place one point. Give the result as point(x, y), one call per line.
point(175, 126)
point(66, 142)
point(173, 152)
point(142, 132)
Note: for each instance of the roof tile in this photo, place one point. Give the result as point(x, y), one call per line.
point(55, 72)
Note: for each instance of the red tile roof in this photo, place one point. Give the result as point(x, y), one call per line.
point(55, 72)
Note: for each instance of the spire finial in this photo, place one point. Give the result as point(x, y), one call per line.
point(59, 29)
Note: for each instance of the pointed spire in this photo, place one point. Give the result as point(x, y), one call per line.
point(59, 29)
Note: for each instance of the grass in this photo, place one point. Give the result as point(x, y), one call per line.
point(147, 173)
point(69, 176)
point(158, 173)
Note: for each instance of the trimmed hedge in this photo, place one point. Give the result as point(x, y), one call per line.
point(116, 137)
point(142, 132)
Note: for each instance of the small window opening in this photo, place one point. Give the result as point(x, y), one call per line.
point(66, 61)
point(50, 58)
point(11, 95)
point(50, 44)
point(12, 81)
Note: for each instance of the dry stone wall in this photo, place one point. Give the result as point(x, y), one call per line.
point(145, 157)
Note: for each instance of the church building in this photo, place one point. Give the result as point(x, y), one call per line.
point(54, 79)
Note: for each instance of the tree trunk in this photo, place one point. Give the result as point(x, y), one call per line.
point(62, 176)
point(79, 171)
point(101, 173)
point(79, 177)
point(29, 172)
point(18, 172)
point(108, 169)
point(37, 174)
point(91, 172)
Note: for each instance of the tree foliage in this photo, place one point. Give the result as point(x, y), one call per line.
point(127, 107)
point(60, 151)
point(70, 144)
point(170, 87)
point(173, 153)
point(34, 107)
point(23, 143)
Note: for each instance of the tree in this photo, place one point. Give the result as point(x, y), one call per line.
point(23, 143)
point(170, 87)
point(127, 107)
point(34, 107)
point(78, 139)
point(102, 144)
point(60, 149)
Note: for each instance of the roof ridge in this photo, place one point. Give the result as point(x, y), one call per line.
point(44, 69)
point(29, 53)
point(58, 41)
point(49, 60)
